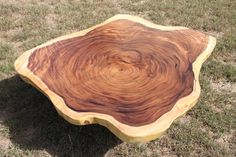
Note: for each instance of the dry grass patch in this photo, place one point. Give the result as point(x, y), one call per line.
point(30, 126)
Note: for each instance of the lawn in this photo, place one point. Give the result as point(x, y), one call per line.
point(29, 124)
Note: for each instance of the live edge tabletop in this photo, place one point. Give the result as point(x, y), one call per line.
point(127, 74)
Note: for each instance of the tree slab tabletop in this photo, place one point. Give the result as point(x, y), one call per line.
point(127, 74)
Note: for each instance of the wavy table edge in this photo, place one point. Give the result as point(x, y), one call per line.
point(124, 132)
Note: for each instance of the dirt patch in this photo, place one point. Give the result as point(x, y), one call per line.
point(51, 20)
point(184, 119)
point(224, 86)
point(5, 143)
point(227, 141)
point(216, 34)
point(166, 152)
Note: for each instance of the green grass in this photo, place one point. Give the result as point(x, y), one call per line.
point(6, 58)
point(220, 70)
point(29, 122)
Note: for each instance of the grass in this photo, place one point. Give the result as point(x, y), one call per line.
point(220, 70)
point(29, 124)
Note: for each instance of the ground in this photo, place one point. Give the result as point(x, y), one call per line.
point(29, 124)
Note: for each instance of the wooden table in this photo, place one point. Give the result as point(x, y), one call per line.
point(127, 74)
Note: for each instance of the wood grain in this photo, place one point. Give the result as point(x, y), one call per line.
point(123, 68)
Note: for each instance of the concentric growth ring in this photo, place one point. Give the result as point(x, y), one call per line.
point(124, 69)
